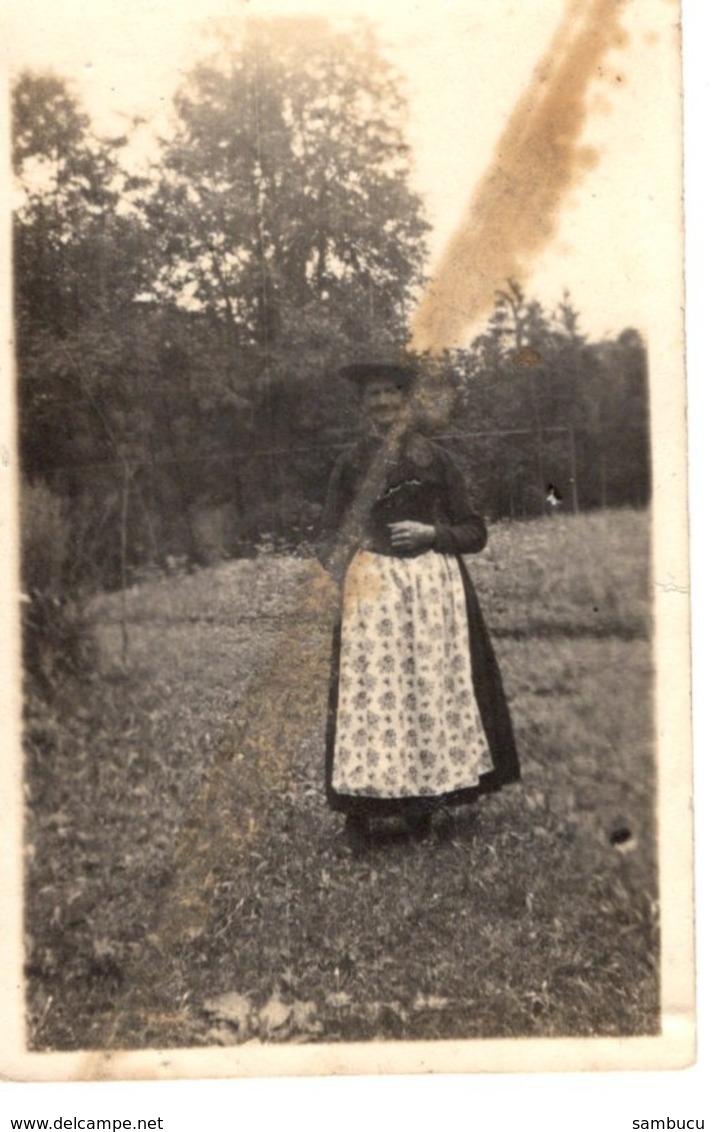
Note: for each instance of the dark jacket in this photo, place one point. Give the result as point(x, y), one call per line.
point(422, 484)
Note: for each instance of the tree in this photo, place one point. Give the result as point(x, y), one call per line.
point(549, 407)
point(79, 262)
point(171, 329)
point(284, 206)
point(66, 253)
point(283, 215)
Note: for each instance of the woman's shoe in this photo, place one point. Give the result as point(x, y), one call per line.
point(418, 825)
point(357, 832)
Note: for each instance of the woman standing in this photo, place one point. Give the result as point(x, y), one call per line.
point(417, 715)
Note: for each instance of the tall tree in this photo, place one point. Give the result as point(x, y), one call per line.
point(285, 207)
point(76, 268)
point(80, 260)
point(552, 408)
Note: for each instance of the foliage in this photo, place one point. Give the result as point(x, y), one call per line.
point(548, 407)
point(171, 323)
point(284, 205)
point(57, 643)
point(178, 333)
point(44, 535)
point(532, 914)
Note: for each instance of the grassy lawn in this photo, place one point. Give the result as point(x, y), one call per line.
point(188, 886)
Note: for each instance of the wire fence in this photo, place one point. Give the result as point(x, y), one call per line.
point(144, 509)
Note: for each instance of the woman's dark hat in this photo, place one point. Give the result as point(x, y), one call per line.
point(401, 372)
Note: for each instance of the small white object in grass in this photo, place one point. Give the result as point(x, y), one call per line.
point(231, 1007)
point(275, 1015)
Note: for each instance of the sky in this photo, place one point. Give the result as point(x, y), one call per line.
point(465, 62)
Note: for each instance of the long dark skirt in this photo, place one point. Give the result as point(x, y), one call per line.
point(495, 716)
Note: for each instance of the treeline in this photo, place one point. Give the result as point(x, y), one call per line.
point(546, 417)
point(180, 324)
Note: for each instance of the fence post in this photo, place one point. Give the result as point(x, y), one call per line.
point(574, 470)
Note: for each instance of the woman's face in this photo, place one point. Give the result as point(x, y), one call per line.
point(384, 402)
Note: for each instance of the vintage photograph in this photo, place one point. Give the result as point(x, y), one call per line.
point(349, 422)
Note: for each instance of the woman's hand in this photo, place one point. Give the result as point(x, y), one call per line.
point(411, 536)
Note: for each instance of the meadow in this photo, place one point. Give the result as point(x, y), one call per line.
point(187, 884)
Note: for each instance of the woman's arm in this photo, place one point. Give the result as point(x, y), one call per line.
point(464, 532)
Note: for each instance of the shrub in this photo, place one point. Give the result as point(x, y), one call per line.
point(45, 539)
point(57, 640)
point(57, 637)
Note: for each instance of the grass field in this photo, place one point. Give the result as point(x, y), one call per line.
point(188, 886)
